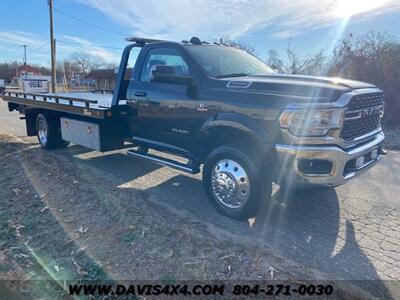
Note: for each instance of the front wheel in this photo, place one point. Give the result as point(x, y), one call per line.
point(234, 183)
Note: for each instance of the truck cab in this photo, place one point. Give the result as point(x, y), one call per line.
point(191, 98)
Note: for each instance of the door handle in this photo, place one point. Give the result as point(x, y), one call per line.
point(140, 94)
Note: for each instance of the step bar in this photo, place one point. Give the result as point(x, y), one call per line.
point(190, 167)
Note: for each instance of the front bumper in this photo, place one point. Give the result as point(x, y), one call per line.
point(290, 156)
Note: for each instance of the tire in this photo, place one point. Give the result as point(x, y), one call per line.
point(234, 182)
point(49, 132)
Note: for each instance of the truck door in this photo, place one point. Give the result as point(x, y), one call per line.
point(156, 102)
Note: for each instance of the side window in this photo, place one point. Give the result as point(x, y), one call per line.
point(164, 57)
point(133, 55)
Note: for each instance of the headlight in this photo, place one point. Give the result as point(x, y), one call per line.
point(313, 122)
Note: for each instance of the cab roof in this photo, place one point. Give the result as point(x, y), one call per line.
point(193, 41)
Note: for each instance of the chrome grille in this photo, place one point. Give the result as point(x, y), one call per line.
point(363, 115)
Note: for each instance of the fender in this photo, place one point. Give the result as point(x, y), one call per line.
point(236, 121)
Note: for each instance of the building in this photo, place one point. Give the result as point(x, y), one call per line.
point(31, 80)
point(27, 69)
point(23, 72)
point(105, 78)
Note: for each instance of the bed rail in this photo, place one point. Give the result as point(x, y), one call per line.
point(46, 97)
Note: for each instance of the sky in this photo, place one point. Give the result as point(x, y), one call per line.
point(99, 27)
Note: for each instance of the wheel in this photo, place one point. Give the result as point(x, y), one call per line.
point(49, 132)
point(234, 183)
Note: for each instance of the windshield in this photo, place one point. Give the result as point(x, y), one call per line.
point(223, 61)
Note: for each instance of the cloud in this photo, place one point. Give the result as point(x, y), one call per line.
point(18, 38)
point(212, 19)
point(78, 44)
point(12, 40)
point(38, 50)
point(208, 19)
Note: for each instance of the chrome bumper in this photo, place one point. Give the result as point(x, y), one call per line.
point(290, 155)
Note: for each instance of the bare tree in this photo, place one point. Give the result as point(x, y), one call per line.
point(274, 61)
point(375, 58)
point(86, 62)
point(309, 65)
point(8, 70)
point(66, 70)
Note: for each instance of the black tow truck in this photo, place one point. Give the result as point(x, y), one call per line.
point(223, 108)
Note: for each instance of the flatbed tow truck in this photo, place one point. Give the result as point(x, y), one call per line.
point(220, 107)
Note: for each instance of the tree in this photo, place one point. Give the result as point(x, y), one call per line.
point(8, 71)
point(374, 58)
point(274, 62)
point(66, 70)
point(309, 65)
point(68, 67)
point(86, 62)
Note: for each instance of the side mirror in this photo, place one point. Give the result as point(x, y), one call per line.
point(167, 74)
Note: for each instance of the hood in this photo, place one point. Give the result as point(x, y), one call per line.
point(336, 81)
point(298, 88)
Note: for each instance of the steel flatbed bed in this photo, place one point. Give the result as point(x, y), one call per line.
point(89, 104)
point(85, 118)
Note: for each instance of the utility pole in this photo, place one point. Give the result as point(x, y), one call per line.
point(24, 53)
point(53, 50)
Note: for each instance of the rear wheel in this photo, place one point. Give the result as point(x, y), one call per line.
point(234, 183)
point(49, 132)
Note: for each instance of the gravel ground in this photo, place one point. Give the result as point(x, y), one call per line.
point(392, 139)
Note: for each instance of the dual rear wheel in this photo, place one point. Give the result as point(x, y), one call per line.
point(49, 132)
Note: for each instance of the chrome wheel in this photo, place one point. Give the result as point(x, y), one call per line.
point(42, 131)
point(230, 183)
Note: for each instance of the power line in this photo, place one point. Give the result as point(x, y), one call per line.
point(91, 45)
point(29, 52)
point(88, 23)
point(38, 48)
